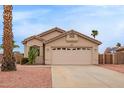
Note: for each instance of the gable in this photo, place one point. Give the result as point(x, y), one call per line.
point(76, 37)
point(45, 35)
point(34, 42)
point(32, 38)
point(78, 42)
point(51, 33)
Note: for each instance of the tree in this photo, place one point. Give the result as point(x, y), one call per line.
point(14, 45)
point(94, 33)
point(8, 62)
point(32, 54)
point(118, 44)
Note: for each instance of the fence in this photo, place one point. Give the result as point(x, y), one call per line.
point(100, 58)
point(109, 58)
point(119, 58)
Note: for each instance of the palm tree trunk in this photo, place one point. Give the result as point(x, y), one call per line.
point(8, 63)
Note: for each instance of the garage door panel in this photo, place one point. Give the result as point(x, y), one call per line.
point(71, 56)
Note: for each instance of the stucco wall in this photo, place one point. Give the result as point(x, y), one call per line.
point(36, 42)
point(51, 35)
point(63, 43)
point(39, 43)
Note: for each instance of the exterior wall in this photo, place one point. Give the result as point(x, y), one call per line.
point(39, 59)
point(39, 43)
point(26, 49)
point(51, 35)
point(63, 43)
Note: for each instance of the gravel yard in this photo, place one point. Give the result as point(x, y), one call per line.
point(27, 77)
point(41, 76)
point(118, 68)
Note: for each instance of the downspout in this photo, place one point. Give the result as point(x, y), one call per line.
point(43, 54)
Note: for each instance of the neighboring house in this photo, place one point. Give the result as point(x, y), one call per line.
point(120, 49)
point(57, 46)
point(110, 50)
point(107, 50)
point(18, 56)
point(114, 49)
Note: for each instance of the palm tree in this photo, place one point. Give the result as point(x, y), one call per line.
point(94, 33)
point(118, 44)
point(8, 63)
point(14, 45)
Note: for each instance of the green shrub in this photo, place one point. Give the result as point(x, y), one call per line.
point(32, 54)
point(24, 61)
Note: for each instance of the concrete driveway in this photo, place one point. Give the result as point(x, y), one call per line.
point(89, 76)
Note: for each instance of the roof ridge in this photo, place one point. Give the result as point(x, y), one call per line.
point(44, 33)
point(86, 37)
point(51, 30)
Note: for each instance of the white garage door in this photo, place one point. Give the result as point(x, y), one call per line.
point(71, 56)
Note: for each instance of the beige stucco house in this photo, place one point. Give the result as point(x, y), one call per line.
point(57, 46)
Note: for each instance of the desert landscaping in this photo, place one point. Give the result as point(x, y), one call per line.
point(57, 58)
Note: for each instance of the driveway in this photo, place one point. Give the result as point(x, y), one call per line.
point(89, 76)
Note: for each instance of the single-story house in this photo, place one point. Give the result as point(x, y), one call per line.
point(57, 46)
point(120, 49)
point(111, 50)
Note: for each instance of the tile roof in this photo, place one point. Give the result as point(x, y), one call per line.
point(39, 36)
point(73, 31)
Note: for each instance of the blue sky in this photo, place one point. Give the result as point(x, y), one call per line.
point(31, 20)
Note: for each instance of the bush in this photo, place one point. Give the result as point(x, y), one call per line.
point(17, 62)
point(24, 61)
point(32, 54)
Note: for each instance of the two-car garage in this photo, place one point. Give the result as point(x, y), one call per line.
point(74, 55)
